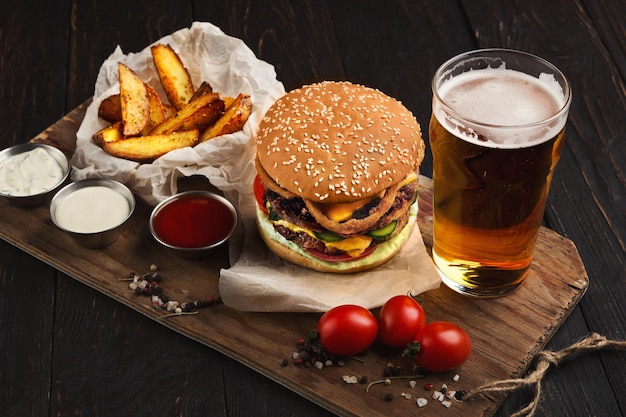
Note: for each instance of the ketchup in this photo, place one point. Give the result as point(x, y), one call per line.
point(193, 222)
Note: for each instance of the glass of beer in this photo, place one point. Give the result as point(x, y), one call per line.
point(496, 135)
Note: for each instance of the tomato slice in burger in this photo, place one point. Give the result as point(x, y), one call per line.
point(259, 190)
point(344, 257)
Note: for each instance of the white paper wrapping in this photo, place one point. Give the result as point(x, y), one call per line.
point(227, 162)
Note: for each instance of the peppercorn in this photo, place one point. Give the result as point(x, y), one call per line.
point(391, 370)
point(389, 397)
point(148, 284)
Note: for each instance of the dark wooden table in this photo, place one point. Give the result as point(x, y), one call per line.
point(70, 350)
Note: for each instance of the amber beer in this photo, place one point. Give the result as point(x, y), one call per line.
point(496, 135)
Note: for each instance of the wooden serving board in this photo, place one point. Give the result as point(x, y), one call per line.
point(506, 332)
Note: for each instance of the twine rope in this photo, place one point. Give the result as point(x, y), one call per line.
point(545, 359)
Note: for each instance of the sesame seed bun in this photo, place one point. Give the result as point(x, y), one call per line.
point(337, 142)
point(337, 166)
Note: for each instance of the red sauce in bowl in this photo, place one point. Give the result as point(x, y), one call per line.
point(193, 221)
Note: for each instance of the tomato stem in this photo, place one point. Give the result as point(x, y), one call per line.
point(412, 350)
point(419, 298)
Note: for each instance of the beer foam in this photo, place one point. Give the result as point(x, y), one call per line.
point(503, 108)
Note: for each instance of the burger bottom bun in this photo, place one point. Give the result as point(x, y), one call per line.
point(293, 253)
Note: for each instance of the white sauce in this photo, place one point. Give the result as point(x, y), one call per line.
point(29, 173)
point(91, 210)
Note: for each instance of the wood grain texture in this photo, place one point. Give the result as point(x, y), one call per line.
point(33, 58)
point(28, 341)
point(298, 38)
point(136, 351)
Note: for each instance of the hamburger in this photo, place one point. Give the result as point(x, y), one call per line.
point(338, 166)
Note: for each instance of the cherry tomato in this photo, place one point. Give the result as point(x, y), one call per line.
point(399, 320)
point(347, 329)
point(441, 347)
point(258, 192)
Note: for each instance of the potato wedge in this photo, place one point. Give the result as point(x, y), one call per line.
point(233, 119)
point(157, 110)
point(111, 133)
point(110, 109)
point(170, 111)
point(148, 148)
point(144, 127)
point(198, 114)
point(228, 101)
point(204, 88)
point(135, 102)
point(174, 76)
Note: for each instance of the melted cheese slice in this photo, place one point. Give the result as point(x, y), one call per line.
point(340, 212)
point(353, 246)
point(411, 176)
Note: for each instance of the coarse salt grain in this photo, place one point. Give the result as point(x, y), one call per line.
point(348, 379)
point(437, 395)
point(421, 402)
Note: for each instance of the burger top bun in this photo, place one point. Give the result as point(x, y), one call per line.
point(337, 142)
